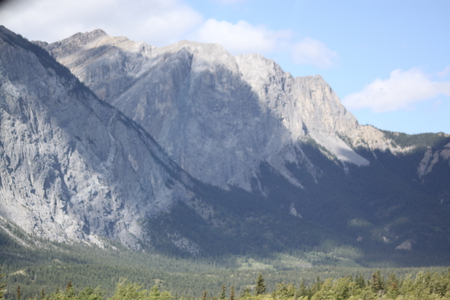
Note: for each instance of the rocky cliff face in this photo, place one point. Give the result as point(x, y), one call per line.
point(73, 167)
point(188, 148)
point(216, 115)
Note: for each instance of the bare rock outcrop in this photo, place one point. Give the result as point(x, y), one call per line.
point(73, 167)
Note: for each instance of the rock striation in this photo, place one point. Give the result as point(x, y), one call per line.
point(216, 115)
point(193, 150)
point(73, 167)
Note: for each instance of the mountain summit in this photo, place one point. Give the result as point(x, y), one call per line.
point(218, 116)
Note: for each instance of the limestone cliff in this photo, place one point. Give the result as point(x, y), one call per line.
point(216, 115)
point(72, 166)
point(191, 149)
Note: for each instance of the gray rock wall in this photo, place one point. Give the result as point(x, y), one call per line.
point(74, 168)
point(216, 115)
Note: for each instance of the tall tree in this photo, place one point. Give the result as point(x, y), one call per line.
point(2, 284)
point(260, 286)
point(232, 297)
point(154, 293)
point(224, 291)
point(19, 295)
point(377, 282)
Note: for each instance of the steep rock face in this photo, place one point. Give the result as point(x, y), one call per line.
point(190, 97)
point(73, 167)
point(216, 115)
point(431, 158)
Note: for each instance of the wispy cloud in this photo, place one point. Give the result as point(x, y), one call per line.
point(444, 72)
point(313, 52)
point(158, 22)
point(242, 37)
point(400, 91)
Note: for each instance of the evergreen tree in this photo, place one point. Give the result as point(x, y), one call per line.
point(204, 295)
point(260, 286)
point(154, 293)
point(377, 282)
point(70, 293)
point(165, 295)
point(18, 296)
point(90, 294)
point(2, 285)
point(69, 286)
point(232, 297)
point(392, 286)
point(224, 291)
point(303, 290)
point(360, 281)
point(316, 286)
point(246, 294)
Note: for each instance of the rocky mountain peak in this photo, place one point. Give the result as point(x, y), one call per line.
point(189, 148)
point(72, 165)
point(226, 113)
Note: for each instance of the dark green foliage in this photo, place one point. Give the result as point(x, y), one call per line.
point(260, 287)
point(377, 282)
point(2, 284)
point(223, 295)
point(421, 141)
point(424, 285)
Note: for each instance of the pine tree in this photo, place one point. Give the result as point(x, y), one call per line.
point(224, 291)
point(303, 290)
point(19, 296)
point(2, 285)
point(232, 297)
point(70, 293)
point(377, 282)
point(392, 286)
point(360, 281)
point(204, 295)
point(260, 286)
point(154, 293)
point(246, 293)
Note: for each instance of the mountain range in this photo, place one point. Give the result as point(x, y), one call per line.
point(189, 150)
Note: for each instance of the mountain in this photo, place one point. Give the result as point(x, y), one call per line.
point(72, 166)
point(216, 115)
point(189, 150)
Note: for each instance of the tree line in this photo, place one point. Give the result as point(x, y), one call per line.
point(423, 286)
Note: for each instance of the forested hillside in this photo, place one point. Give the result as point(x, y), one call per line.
point(421, 286)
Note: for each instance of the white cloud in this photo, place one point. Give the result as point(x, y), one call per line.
point(313, 52)
point(242, 37)
point(400, 91)
point(157, 22)
point(444, 72)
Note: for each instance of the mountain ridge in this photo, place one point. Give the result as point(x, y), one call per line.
point(292, 109)
point(189, 150)
point(74, 158)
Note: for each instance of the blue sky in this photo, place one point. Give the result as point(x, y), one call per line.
point(388, 61)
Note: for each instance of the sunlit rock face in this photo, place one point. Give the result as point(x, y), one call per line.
point(217, 115)
point(72, 167)
point(130, 147)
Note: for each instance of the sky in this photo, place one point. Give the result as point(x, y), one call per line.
point(387, 60)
